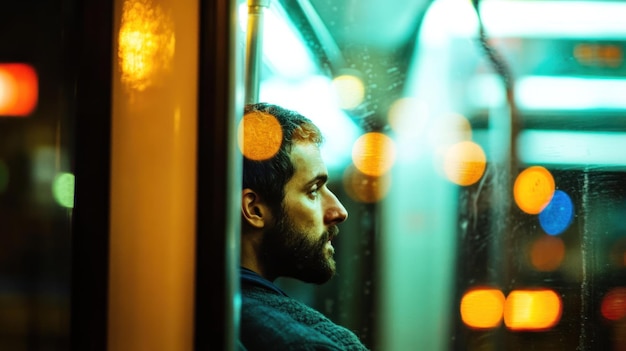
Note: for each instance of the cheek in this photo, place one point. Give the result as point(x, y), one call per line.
point(307, 218)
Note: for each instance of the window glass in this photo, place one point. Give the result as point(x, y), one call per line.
point(479, 151)
point(36, 179)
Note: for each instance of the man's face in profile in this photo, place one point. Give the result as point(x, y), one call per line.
point(299, 243)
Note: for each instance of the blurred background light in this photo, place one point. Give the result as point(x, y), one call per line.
point(350, 91)
point(533, 189)
point(450, 129)
point(570, 148)
point(570, 93)
point(19, 89)
point(558, 215)
point(408, 117)
point(482, 308)
point(146, 43)
point(613, 305)
point(373, 153)
point(561, 19)
point(365, 188)
point(259, 136)
point(63, 189)
point(547, 253)
point(599, 55)
point(44, 165)
point(313, 97)
point(532, 310)
point(284, 51)
point(465, 163)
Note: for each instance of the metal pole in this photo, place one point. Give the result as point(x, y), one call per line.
point(254, 48)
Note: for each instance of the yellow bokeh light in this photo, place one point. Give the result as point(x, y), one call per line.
point(350, 91)
point(533, 189)
point(374, 153)
point(547, 253)
point(365, 188)
point(146, 43)
point(259, 135)
point(532, 309)
point(408, 116)
point(482, 308)
point(464, 163)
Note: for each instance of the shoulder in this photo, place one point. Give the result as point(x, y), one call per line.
point(272, 321)
point(264, 328)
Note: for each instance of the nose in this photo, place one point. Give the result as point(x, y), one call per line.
point(334, 213)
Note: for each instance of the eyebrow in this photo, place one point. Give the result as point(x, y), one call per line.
point(320, 178)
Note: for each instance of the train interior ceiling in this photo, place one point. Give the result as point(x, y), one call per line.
point(478, 146)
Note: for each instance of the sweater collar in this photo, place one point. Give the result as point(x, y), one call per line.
point(249, 277)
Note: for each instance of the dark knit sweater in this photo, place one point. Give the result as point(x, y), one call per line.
point(271, 320)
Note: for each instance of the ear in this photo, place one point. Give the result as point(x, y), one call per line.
point(253, 210)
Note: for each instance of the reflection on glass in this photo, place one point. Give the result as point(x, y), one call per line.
point(465, 163)
point(532, 309)
point(482, 308)
point(558, 215)
point(543, 223)
point(547, 253)
point(374, 153)
point(259, 136)
point(408, 117)
point(365, 188)
point(19, 89)
point(63, 189)
point(350, 91)
point(146, 43)
point(533, 189)
point(614, 304)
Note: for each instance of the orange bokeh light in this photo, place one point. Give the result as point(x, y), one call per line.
point(614, 304)
point(482, 308)
point(259, 136)
point(532, 309)
point(373, 153)
point(533, 189)
point(19, 89)
point(364, 188)
point(547, 253)
point(465, 163)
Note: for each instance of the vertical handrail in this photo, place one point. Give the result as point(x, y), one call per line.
point(254, 48)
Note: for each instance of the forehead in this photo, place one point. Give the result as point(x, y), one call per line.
point(307, 161)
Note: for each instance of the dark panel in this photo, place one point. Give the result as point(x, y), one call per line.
point(215, 281)
point(89, 61)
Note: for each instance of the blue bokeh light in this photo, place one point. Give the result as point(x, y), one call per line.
point(558, 215)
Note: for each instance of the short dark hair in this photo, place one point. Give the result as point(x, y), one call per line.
point(268, 177)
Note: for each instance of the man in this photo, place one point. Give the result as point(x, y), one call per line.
point(289, 219)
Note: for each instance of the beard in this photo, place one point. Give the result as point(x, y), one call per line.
point(290, 252)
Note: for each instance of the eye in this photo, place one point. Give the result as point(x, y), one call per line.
point(314, 191)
